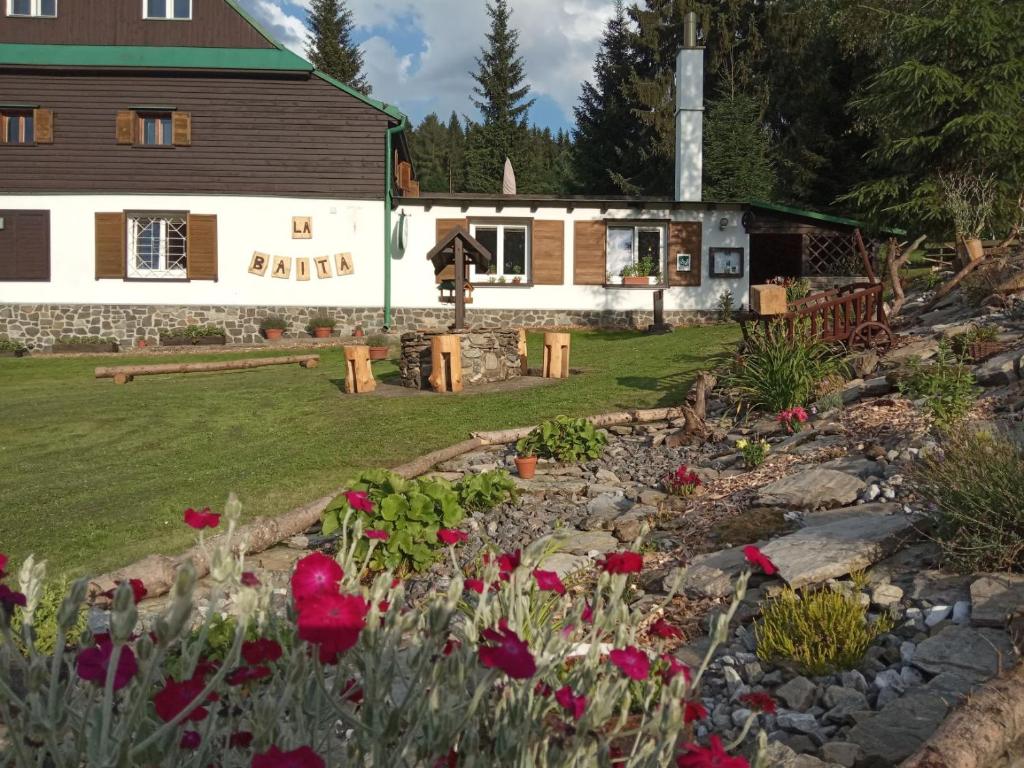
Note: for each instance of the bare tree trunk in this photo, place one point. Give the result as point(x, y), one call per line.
point(895, 264)
point(695, 413)
point(946, 288)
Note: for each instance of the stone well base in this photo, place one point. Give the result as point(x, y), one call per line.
point(488, 355)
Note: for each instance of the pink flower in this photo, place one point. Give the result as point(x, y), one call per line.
point(314, 575)
point(474, 585)
point(682, 482)
point(259, 651)
point(452, 536)
point(250, 579)
point(190, 740)
point(662, 628)
point(569, 701)
point(378, 535)
point(509, 561)
point(507, 652)
point(759, 701)
point(9, 598)
point(711, 756)
point(92, 663)
point(200, 520)
point(139, 590)
point(694, 711)
point(351, 692)
point(176, 697)
point(588, 613)
point(674, 667)
point(622, 562)
point(3, 565)
point(359, 501)
point(303, 757)
point(757, 558)
point(632, 661)
point(240, 739)
point(548, 581)
point(244, 675)
point(450, 646)
point(333, 623)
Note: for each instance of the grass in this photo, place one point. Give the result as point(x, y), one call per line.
point(94, 475)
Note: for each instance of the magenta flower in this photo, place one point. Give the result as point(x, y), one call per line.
point(314, 575)
point(507, 653)
point(176, 697)
point(509, 561)
point(9, 598)
point(571, 702)
point(631, 661)
point(376, 534)
point(200, 520)
point(359, 501)
point(622, 562)
point(694, 711)
point(259, 651)
point(3, 565)
point(250, 579)
point(674, 667)
point(759, 701)
point(548, 581)
point(332, 622)
point(190, 740)
point(452, 536)
point(711, 756)
point(474, 585)
point(92, 663)
point(244, 675)
point(139, 590)
point(759, 559)
point(662, 628)
point(303, 757)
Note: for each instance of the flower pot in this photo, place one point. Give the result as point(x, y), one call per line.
point(273, 334)
point(14, 353)
point(322, 333)
point(975, 249)
point(636, 280)
point(174, 341)
point(358, 333)
point(93, 349)
point(378, 353)
point(526, 466)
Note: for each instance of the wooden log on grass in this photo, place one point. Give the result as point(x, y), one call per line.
point(122, 374)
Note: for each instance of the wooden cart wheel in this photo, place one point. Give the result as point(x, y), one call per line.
point(871, 335)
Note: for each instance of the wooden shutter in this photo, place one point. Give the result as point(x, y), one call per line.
point(685, 237)
point(110, 245)
point(25, 245)
point(588, 253)
point(548, 252)
point(202, 247)
point(43, 120)
point(125, 130)
point(181, 129)
point(444, 227)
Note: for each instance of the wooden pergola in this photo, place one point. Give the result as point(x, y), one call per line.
point(456, 251)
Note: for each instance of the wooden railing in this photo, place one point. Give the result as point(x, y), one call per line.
point(833, 315)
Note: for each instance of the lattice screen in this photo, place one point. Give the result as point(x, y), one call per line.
point(831, 256)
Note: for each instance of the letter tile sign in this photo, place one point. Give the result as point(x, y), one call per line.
point(281, 266)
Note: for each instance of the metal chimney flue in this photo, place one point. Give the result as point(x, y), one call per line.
point(689, 115)
point(690, 30)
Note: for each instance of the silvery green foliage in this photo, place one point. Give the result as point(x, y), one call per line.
point(417, 703)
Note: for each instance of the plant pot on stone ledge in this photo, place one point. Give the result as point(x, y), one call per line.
point(526, 466)
point(273, 327)
point(321, 326)
point(378, 347)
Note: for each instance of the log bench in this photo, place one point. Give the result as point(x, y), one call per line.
point(122, 374)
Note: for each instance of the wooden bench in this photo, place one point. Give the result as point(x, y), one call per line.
point(122, 374)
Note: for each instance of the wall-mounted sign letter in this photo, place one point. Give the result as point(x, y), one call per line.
point(302, 228)
point(302, 269)
point(259, 263)
point(282, 267)
point(323, 267)
point(344, 264)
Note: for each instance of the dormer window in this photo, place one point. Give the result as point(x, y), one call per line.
point(41, 8)
point(176, 10)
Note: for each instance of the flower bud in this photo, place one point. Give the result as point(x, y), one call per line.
point(144, 647)
point(72, 605)
point(124, 615)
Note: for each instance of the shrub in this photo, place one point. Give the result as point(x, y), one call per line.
point(202, 331)
point(486, 490)
point(86, 340)
point(797, 289)
point(818, 632)
point(321, 321)
point(725, 305)
point(976, 485)
point(273, 323)
point(946, 386)
point(754, 452)
point(564, 439)
point(777, 372)
point(6, 345)
point(410, 512)
point(44, 619)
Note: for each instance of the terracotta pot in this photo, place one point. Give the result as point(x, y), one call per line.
point(141, 344)
point(526, 466)
point(636, 280)
point(273, 334)
point(358, 333)
point(322, 333)
point(378, 353)
point(975, 249)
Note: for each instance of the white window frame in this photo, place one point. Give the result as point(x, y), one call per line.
point(498, 261)
point(163, 271)
point(638, 226)
point(169, 16)
point(36, 11)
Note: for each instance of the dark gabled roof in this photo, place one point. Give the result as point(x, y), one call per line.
point(443, 254)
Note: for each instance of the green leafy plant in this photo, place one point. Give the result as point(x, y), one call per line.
point(644, 267)
point(486, 490)
point(725, 305)
point(378, 341)
point(977, 334)
point(946, 387)
point(563, 439)
point(85, 341)
point(817, 632)
point(754, 452)
point(321, 321)
point(45, 619)
point(976, 484)
point(410, 511)
point(6, 345)
point(273, 323)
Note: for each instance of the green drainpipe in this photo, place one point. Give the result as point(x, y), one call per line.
point(388, 198)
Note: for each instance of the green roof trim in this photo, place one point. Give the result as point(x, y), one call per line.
point(817, 216)
point(387, 109)
point(151, 57)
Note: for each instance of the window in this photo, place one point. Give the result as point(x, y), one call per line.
point(725, 262)
point(40, 8)
point(17, 127)
point(158, 246)
point(509, 245)
point(635, 250)
point(154, 129)
point(167, 9)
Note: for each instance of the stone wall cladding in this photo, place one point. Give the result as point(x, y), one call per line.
point(488, 354)
point(38, 326)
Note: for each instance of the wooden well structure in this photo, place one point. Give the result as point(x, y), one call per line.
point(452, 256)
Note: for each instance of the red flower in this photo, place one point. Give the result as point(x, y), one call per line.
point(759, 701)
point(139, 590)
point(200, 520)
point(244, 675)
point(507, 652)
point(9, 598)
point(452, 536)
point(662, 628)
point(542, 689)
point(451, 760)
point(571, 702)
point(3, 564)
point(240, 739)
point(622, 562)
point(757, 558)
point(352, 692)
point(303, 757)
point(548, 581)
point(259, 651)
point(314, 575)
point(450, 645)
point(509, 561)
point(675, 667)
point(588, 613)
point(694, 711)
point(395, 583)
point(359, 501)
point(632, 661)
point(711, 756)
point(378, 535)
point(190, 740)
point(476, 585)
point(177, 697)
point(92, 663)
point(333, 623)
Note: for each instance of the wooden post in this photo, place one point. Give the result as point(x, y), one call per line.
point(358, 373)
point(556, 356)
point(524, 364)
point(446, 363)
point(460, 286)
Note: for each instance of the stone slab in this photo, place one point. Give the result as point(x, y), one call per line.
point(979, 653)
point(996, 599)
point(710, 575)
point(565, 564)
point(899, 729)
point(826, 516)
point(812, 489)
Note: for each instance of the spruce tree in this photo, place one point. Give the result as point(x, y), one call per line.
point(330, 47)
point(736, 158)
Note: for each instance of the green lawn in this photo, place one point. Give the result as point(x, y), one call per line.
point(95, 475)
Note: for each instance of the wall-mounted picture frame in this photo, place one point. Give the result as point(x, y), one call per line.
point(684, 262)
point(725, 262)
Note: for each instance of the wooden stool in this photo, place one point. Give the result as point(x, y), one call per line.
point(358, 373)
point(446, 363)
point(556, 356)
point(524, 365)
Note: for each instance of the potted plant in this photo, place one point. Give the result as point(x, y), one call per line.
point(526, 455)
point(358, 332)
point(273, 327)
point(86, 344)
point(10, 348)
point(378, 347)
point(516, 276)
point(639, 273)
point(321, 326)
point(206, 335)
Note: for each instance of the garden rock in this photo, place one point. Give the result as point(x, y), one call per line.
point(797, 722)
point(982, 653)
point(799, 694)
point(812, 489)
point(996, 599)
point(603, 510)
point(1001, 369)
point(711, 575)
point(842, 753)
point(778, 755)
point(565, 564)
point(585, 542)
point(899, 729)
point(879, 509)
point(886, 595)
point(628, 525)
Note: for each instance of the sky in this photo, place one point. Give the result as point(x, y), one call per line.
point(419, 53)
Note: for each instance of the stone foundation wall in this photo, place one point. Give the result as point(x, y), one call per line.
point(488, 354)
point(38, 326)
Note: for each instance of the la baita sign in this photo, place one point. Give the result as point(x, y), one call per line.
point(325, 267)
